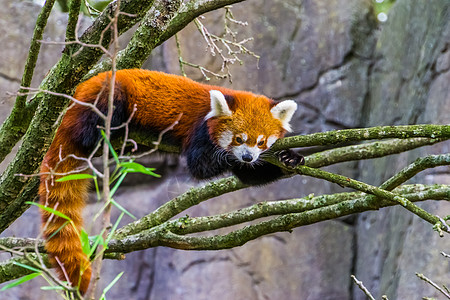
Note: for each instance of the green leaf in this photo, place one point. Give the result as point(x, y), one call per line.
point(97, 189)
point(117, 184)
point(75, 177)
point(111, 149)
point(133, 167)
point(84, 237)
point(50, 210)
point(103, 297)
point(98, 239)
point(20, 281)
point(60, 227)
point(27, 267)
point(113, 229)
point(122, 208)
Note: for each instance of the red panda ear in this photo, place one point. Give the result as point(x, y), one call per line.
point(219, 106)
point(284, 111)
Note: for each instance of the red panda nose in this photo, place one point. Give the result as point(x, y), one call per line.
point(247, 157)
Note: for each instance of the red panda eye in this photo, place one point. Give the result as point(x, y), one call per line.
point(260, 143)
point(239, 140)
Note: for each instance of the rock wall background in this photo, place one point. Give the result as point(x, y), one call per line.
point(343, 72)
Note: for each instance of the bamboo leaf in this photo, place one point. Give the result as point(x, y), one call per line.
point(84, 237)
point(103, 297)
point(50, 210)
point(27, 267)
point(111, 149)
point(133, 167)
point(20, 281)
point(122, 209)
point(75, 177)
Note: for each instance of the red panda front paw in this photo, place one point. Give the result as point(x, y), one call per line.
point(290, 158)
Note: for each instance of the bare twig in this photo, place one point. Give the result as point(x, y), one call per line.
point(126, 125)
point(219, 45)
point(48, 275)
point(90, 105)
point(437, 287)
point(362, 287)
point(155, 143)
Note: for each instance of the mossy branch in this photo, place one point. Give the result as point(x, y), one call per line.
point(172, 233)
point(11, 270)
point(372, 190)
point(364, 134)
point(289, 214)
point(367, 150)
point(15, 126)
point(179, 204)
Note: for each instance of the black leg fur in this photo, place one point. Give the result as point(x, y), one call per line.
point(264, 172)
point(204, 159)
point(257, 174)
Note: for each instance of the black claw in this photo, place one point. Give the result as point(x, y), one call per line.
point(290, 158)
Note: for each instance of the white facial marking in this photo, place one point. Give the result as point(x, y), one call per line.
point(259, 139)
point(270, 140)
point(244, 149)
point(219, 106)
point(244, 137)
point(284, 111)
point(225, 139)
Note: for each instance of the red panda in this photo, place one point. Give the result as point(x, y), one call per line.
point(220, 129)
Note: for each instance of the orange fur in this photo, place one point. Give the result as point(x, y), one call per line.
point(63, 241)
point(159, 98)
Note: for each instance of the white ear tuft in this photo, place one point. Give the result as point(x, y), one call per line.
point(284, 111)
point(219, 106)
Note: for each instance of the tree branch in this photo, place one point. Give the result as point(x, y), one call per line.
point(364, 134)
point(163, 236)
point(366, 151)
point(292, 213)
point(369, 189)
point(177, 205)
point(15, 126)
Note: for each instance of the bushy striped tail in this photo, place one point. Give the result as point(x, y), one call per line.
point(78, 134)
point(63, 242)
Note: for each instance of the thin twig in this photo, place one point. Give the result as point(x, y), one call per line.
point(90, 105)
point(362, 287)
point(437, 287)
point(212, 45)
point(155, 143)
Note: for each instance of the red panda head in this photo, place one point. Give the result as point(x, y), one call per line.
point(246, 124)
